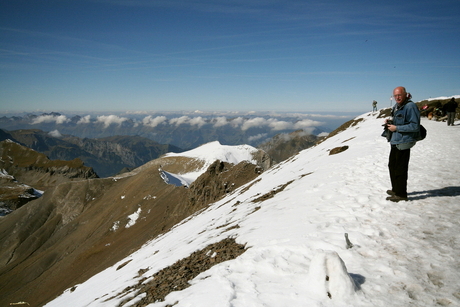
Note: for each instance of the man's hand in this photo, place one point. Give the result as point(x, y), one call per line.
point(392, 128)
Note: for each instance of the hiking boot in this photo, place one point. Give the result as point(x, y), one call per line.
point(390, 192)
point(395, 198)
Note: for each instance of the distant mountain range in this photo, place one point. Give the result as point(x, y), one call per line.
point(183, 130)
point(113, 143)
point(107, 156)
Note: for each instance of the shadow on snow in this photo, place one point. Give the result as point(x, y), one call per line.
point(447, 191)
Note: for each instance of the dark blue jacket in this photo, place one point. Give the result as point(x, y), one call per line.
point(407, 121)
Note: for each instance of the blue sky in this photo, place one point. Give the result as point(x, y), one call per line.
point(243, 55)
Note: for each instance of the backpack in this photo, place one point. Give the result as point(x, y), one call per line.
point(421, 133)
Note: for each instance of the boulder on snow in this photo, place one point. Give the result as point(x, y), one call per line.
point(328, 277)
point(337, 150)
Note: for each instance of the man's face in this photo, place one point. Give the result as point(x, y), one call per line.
point(399, 95)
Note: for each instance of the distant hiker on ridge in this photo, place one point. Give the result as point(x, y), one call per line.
point(374, 106)
point(402, 132)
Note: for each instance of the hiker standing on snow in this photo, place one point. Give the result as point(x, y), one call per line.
point(451, 110)
point(403, 130)
point(374, 106)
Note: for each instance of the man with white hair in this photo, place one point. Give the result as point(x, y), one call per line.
point(404, 129)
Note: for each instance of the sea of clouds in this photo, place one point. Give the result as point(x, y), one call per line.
point(274, 122)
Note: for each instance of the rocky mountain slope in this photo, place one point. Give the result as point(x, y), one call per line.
point(79, 228)
point(36, 169)
point(107, 156)
point(283, 146)
point(24, 173)
point(14, 194)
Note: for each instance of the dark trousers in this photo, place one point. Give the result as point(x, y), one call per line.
point(399, 165)
point(450, 118)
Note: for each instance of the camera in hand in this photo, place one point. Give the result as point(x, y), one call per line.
point(389, 122)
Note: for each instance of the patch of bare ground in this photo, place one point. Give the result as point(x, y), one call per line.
point(337, 150)
point(272, 192)
point(177, 276)
point(343, 127)
point(383, 113)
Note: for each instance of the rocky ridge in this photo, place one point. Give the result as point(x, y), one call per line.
point(284, 146)
point(14, 194)
point(35, 169)
point(25, 173)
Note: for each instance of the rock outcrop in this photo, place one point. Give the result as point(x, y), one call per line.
point(284, 146)
point(35, 169)
point(13, 194)
point(178, 276)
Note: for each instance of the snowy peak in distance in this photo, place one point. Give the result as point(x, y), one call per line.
point(182, 169)
point(215, 151)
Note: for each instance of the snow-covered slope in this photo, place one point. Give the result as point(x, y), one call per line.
point(403, 254)
point(207, 154)
point(213, 151)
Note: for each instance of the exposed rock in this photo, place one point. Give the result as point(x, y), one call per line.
point(35, 169)
point(384, 113)
point(272, 193)
point(284, 146)
point(337, 150)
point(24, 170)
point(177, 276)
point(264, 160)
point(343, 127)
point(221, 178)
point(14, 195)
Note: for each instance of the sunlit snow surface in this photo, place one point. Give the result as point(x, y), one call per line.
point(404, 254)
point(208, 153)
